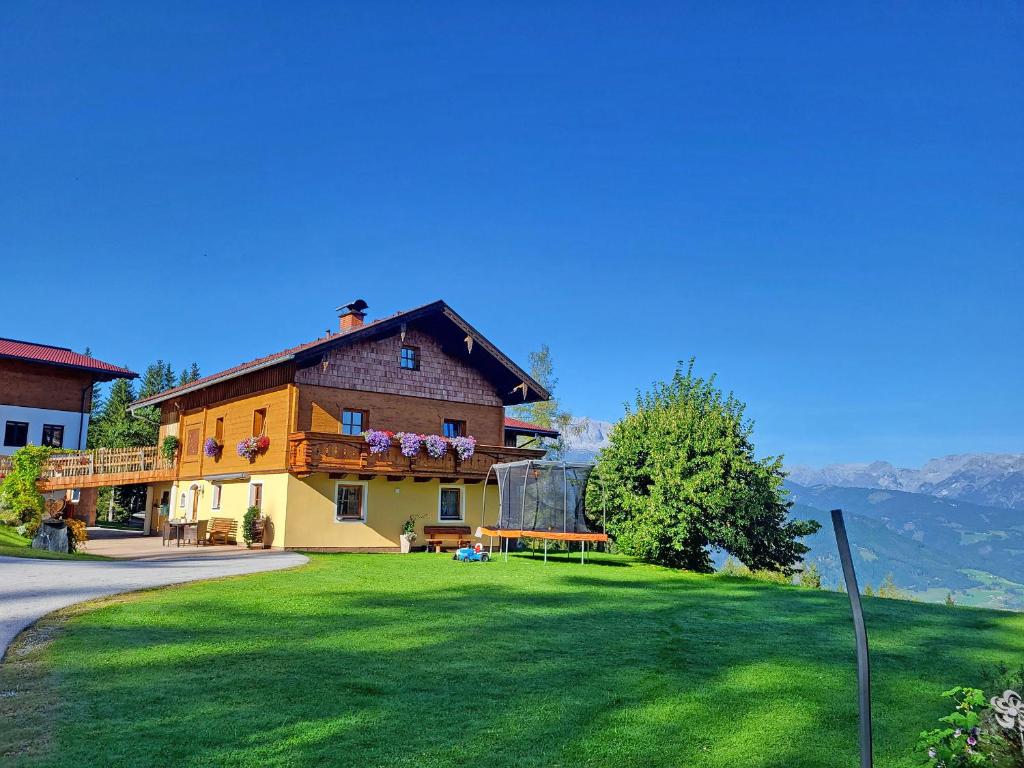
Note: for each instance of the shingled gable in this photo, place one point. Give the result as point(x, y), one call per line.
point(457, 338)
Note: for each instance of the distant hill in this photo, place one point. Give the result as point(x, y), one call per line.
point(931, 546)
point(991, 479)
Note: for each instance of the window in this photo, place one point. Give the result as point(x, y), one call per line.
point(218, 430)
point(215, 502)
point(256, 495)
point(350, 502)
point(192, 441)
point(454, 428)
point(53, 435)
point(259, 421)
point(450, 507)
point(411, 358)
point(16, 434)
point(353, 422)
point(181, 503)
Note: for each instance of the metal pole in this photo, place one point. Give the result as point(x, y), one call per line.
point(545, 550)
point(583, 551)
point(860, 632)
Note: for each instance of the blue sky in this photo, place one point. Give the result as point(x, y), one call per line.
point(823, 203)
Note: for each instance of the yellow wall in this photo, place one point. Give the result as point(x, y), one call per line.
point(234, 501)
point(311, 523)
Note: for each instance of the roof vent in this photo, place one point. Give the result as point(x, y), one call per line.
point(351, 315)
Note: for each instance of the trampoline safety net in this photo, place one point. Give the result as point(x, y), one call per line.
point(543, 496)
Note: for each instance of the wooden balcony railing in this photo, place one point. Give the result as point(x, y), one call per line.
point(326, 452)
point(102, 466)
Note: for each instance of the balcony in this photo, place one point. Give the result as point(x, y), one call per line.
point(310, 452)
point(99, 467)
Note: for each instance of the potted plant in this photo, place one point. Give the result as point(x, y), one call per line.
point(252, 528)
point(251, 447)
point(408, 535)
point(169, 447)
point(212, 448)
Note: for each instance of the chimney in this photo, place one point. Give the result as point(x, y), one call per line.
point(350, 316)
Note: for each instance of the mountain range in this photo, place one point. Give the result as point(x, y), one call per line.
point(991, 479)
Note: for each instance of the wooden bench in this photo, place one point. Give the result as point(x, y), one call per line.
point(440, 535)
point(222, 529)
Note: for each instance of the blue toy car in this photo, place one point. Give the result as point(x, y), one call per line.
point(470, 554)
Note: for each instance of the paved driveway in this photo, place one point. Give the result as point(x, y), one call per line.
point(30, 589)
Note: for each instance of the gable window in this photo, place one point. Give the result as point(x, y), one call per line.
point(450, 505)
point(410, 358)
point(16, 433)
point(53, 435)
point(353, 422)
point(350, 502)
point(215, 501)
point(259, 422)
point(454, 428)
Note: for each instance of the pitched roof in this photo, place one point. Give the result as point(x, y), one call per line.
point(515, 425)
point(29, 351)
point(500, 367)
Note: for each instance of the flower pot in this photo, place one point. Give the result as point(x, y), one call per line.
point(406, 540)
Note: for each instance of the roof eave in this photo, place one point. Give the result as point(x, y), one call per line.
point(102, 374)
point(157, 399)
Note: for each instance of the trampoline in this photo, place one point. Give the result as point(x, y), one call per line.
point(541, 500)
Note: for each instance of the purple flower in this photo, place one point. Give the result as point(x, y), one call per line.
point(378, 440)
point(212, 448)
point(464, 447)
point(248, 448)
point(971, 741)
point(410, 443)
point(437, 446)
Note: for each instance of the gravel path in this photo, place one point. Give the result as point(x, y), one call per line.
point(30, 589)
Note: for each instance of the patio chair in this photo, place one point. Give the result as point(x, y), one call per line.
point(196, 532)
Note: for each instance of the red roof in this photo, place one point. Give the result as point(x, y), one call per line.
point(61, 356)
point(525, 426)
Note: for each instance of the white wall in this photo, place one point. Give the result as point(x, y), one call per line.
point(36, 418)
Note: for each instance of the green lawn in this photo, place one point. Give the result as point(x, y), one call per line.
point(384, 660)
point(13, 544)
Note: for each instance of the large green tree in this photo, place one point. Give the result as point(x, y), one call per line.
point(680, 476)
point(547, 413)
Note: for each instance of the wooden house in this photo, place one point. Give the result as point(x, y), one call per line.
point(46, 399)
point(314, 476)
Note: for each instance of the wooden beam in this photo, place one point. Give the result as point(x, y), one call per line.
point(419, 479)
point(449, 480)
point(472, 480)
point(396, 478)
point(366, 477)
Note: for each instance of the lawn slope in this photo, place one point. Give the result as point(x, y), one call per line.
point(419, 661)
point(13, 544)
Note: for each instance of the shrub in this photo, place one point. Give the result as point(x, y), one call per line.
point(20, 499)
point(811, 577)
point(77, 534)
point(961, 742)
point(252, 514)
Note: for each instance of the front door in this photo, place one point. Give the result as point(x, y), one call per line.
point(194, 503)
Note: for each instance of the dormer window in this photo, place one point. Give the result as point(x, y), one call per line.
point(410, 358)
